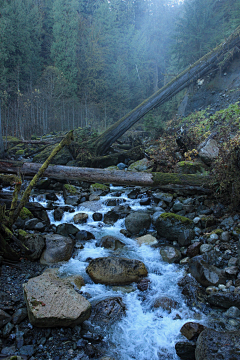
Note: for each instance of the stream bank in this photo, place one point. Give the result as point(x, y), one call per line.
point(186, 234)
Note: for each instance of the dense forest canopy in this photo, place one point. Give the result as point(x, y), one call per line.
point(71, 63)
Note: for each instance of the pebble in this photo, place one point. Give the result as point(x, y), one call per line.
point(221, 287)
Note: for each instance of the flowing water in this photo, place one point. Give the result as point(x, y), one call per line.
point(145, 332)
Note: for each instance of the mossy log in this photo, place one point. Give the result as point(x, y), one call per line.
point(217, 58)
point(116, 177)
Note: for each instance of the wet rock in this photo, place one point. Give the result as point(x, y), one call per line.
point(80, 218)
point(175, 228)
point(147, 240)
point(97, 216)
point(170, 254)
point(4, 318)
point(145, 201)
point(225, 236)
point(53, 302)
point(73, 200)
point(137, 222)
point(232, 312)
point(166, 303)
point(134, 193)
point(191, 330)
point(116, 271)
point(204, 248)
point(39, 212)
point(110, 242)
point(58, 214)
point(163, 196)
point(32, 223)
point(67, 229)
point(99, 189)
point(51, 196)
point(58, 248)
point(143, 284)
point(192, 290)
point(216, 345)
point(35, 243)
point(27, 350)
point(118, 212)
point(107, 311)
point(19, 316)
point(84, 235)
point(224, 299)
point(7, 329)
point(193, 249)
point(204, 273)
point(186, 350)
point(208, 151)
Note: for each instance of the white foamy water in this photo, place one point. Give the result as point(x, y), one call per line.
point(145, 332)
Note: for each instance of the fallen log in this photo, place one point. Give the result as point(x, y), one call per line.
point(215, 59)
point(115, 177)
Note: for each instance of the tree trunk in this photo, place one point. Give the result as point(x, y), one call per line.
point(1, 138)
point(218, 57)
point(116, 177)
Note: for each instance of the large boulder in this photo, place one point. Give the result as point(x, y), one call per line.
point(141, 165)
point(52, 301)
point(208, 151)
point(205, 274)
point(118, 212)
point(175, 228)
point(190, 167)
point(58, 248)
point(137, 222)
point(116, 271)
point(216, 345)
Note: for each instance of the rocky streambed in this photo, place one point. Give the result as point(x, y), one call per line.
point(122, 273)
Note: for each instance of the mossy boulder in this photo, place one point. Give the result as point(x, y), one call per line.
point(99, 189)
point(141, 165)
point(25, 214)
point(62, 158)
point(174, 227)
point(190, 167)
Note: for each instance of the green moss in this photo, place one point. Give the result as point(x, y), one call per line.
point(173, 216)
point(70, 189)
point(20, 152)
point(97, 186)
point(25, 213)
point(183, 179)
point(217, 231)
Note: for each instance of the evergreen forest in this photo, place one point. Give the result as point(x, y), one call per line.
point(75, 63)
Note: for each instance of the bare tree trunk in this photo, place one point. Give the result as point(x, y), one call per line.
point(218, 57)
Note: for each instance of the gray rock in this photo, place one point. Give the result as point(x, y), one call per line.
point(35, 243)
point(177, 206)
point(208, 151)
point(137, 222)
point(80, 218)
point(224, 299)
point(73, 200)
point(228, 222)
point(67, 229)
point(232, 312)
point(116, 271)
point(4, 318)
point(19, 315)
point(7, 329)
point(58, 214)
point(225, 236)
point(52, 301)
point(205, 248)
point(110, 242)
point(205, 274)
point(58, 248)
point(186, 350)
point(170, 254)
point(216, 345)
point(166, 303)
point(27, 350)
point(163, 196)
point(31, 224)
point(107, 311)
